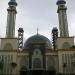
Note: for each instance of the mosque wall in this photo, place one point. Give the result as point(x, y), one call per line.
point(66, 61)
point(0, 43)
point(52, 63)
point(7, 61)
point(63, 43)
point(12, 61)
point(22, 62)
point(9, 44)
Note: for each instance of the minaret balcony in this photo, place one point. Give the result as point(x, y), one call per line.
point(61, 8)
point(12, 9)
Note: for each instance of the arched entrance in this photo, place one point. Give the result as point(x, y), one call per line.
point(38, 72)
point(37, 59)
point(51, 70)
point(37, 63)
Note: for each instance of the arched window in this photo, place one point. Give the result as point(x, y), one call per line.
point(37, 53)
point(37, 63)
point(66, 45)
point(8, 46)
point(37, 60)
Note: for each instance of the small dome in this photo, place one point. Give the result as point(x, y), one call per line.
point(54, 29)
point(36, 39)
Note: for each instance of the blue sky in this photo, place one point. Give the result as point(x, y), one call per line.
point(33, 14)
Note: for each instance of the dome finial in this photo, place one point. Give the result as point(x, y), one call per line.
point(37, 31)
point(12, 0)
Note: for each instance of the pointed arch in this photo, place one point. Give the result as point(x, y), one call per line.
point(37, 60)
point(66, 45)
point(8, 46)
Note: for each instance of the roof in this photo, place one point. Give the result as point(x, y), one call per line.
point(12, 2)
point(37, 39)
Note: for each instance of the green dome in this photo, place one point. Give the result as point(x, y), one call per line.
point(37, 39)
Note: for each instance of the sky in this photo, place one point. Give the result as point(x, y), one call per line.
point(33, 14)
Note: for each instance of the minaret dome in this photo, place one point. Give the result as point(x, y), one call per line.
point(61, 2)
point(12, 2)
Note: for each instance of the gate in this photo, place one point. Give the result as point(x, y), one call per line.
point(23, 72)
point(37, 72)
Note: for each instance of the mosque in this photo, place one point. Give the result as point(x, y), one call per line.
point(37, 53)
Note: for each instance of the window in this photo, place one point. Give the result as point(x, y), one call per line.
point(37, 59)
point(37, 63)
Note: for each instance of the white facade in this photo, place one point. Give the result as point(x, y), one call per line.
point(9, 43)
point(37, 53)
point(63, 43)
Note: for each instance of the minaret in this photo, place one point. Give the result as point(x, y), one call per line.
point(63, 24)
point(11, 17)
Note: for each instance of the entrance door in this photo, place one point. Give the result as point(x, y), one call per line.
point(51, 72)
point(37, 72)
point(37, 63)
point(23, 70)
point(37, 59)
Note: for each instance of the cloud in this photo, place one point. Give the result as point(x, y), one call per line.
point(36, 13)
